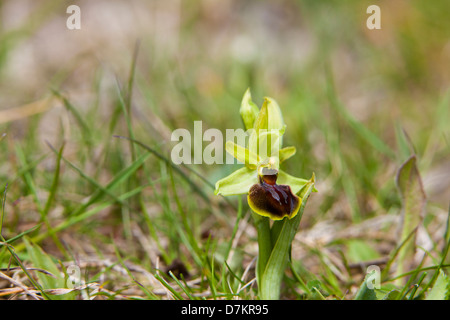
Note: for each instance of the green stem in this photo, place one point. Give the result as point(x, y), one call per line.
point(275, 246)
point(262, 225)
point(274, 270)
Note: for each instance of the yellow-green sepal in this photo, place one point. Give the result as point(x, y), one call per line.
point(239, 182)
point(295, 183)
point(249, 110)
point(269, 117)
point(286, 153)
point(244, 155)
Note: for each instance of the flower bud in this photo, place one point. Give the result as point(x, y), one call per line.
point(249, 111)
point(269, 117)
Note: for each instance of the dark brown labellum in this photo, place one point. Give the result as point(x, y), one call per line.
point(272, 200)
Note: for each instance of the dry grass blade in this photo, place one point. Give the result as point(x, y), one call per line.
point(55, 292)
point(61, 291)
point(19, 287)
point(26, 110)
point(28, 269)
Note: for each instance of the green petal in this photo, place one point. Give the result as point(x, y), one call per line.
point(239, 182)
point(244, 155)
point(261, 120)
point(296, 184)
point(274, 116)
point(249, 111)
point(269, 117)
point(265, 143)
point(286, 153)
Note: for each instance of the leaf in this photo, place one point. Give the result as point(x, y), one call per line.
point(262, 225)
point(413, 202)
point(366, 292)
point(392, 295)
point(274, 270)
point(358, 251)
point(41, 260)
point(315, 286)
point(440, 290)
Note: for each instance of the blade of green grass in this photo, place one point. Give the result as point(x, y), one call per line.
point(364, 292)
point(54, 187)
point(2, 216)
point(416, 286)
point(72, 220)
point(28, 179)
point(299, 279)
point(143, 288)
point(126, 103)
point(393, 256)
point(170, 163)
point(20, 235)
point(84, 128)
point(120, 177)
point(441, 263)
point(92, 181)
point(182, 287)
point(186, 230)
point(235, 228)
point(357, 126)
point(41, 260)
point(168, 286)
point(436, 267)
point(14, 255)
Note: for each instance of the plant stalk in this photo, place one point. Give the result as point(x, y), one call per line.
point(275, 247)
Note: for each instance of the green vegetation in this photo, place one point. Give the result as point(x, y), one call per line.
point(94, 208)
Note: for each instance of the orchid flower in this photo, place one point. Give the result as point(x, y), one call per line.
point(271, 192)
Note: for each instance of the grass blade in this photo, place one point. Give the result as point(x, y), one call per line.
point(357, 126)
point(168, 162)
point(41, 260)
